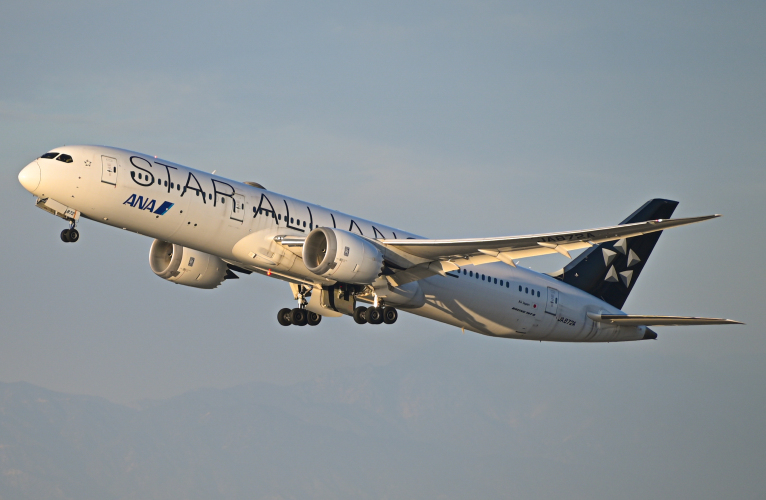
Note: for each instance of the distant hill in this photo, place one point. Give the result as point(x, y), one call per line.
point(450, 426)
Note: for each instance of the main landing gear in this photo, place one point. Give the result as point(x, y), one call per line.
point(298, 317)
point(375, 315)
point(70, 235)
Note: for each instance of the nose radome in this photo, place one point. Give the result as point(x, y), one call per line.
point(29, 177)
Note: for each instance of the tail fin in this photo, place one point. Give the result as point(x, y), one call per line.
point(609, 270)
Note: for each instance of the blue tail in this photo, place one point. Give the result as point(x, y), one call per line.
point(610, 270)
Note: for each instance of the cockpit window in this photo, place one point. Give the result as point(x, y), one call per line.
point(49, 156)
point(65, 158)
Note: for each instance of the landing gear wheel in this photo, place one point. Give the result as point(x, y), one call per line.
point(390, 315)
point(65, 235)
point(283, 316)
point(374, 315)
point(298, 317)
point(314, 319)
point(359, 315)
point(74, 235)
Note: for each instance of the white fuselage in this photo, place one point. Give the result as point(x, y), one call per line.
point(238, 222)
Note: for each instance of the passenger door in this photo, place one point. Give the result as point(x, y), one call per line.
point(109, 170)
point(552, 306)
point(237, 213)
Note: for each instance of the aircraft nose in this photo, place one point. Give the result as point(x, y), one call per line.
point(29, 177)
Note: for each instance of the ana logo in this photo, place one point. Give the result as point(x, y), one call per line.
point(146, 204)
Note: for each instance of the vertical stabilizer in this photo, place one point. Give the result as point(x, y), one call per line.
point(609, 270)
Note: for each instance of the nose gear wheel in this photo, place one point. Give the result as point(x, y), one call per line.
point(70, 235)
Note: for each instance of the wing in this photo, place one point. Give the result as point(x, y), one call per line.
point(643, 320)
point(414, 259)
point(418, 259)
point(517, 247)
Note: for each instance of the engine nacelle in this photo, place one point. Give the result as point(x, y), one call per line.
point(342, 256)
point(185, 266)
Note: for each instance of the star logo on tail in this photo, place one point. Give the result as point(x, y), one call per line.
point(612, 276)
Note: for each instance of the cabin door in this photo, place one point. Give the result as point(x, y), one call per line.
point(109, 170)
point(552, 306)
point(237, 213)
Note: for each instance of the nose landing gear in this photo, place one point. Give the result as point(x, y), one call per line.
point(70, 235)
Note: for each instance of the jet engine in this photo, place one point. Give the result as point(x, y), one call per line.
point(185, 266)
point(342, 256)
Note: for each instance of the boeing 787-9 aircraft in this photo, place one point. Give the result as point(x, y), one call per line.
point(208, 229)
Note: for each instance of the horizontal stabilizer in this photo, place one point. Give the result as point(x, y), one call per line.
point(643, 320)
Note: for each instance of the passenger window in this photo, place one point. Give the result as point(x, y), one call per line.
point(310, 226)
point(49, 156)
point(65, 158)
point(166, 183)
point(279, 217)
point(178, 187)
point(471, 274)
point(465, 272)
point(507, 285)
point(172, 185)
point(222, 200)
point(533, 291)
point(291, 220)
point(538, 293)
point(210, 196)
point(519, 287)
point(159, 182)
point(495, 281)
point(526, 290)
point(557, 300)
point(139, 176)
point(482, 277)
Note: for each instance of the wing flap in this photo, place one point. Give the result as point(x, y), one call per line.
point(645, 320)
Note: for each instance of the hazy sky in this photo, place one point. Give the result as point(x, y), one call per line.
point(448, 119)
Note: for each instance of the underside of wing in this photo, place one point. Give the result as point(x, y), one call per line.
point(644, 320)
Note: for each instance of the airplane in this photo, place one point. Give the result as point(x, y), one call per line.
point(208, 229)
